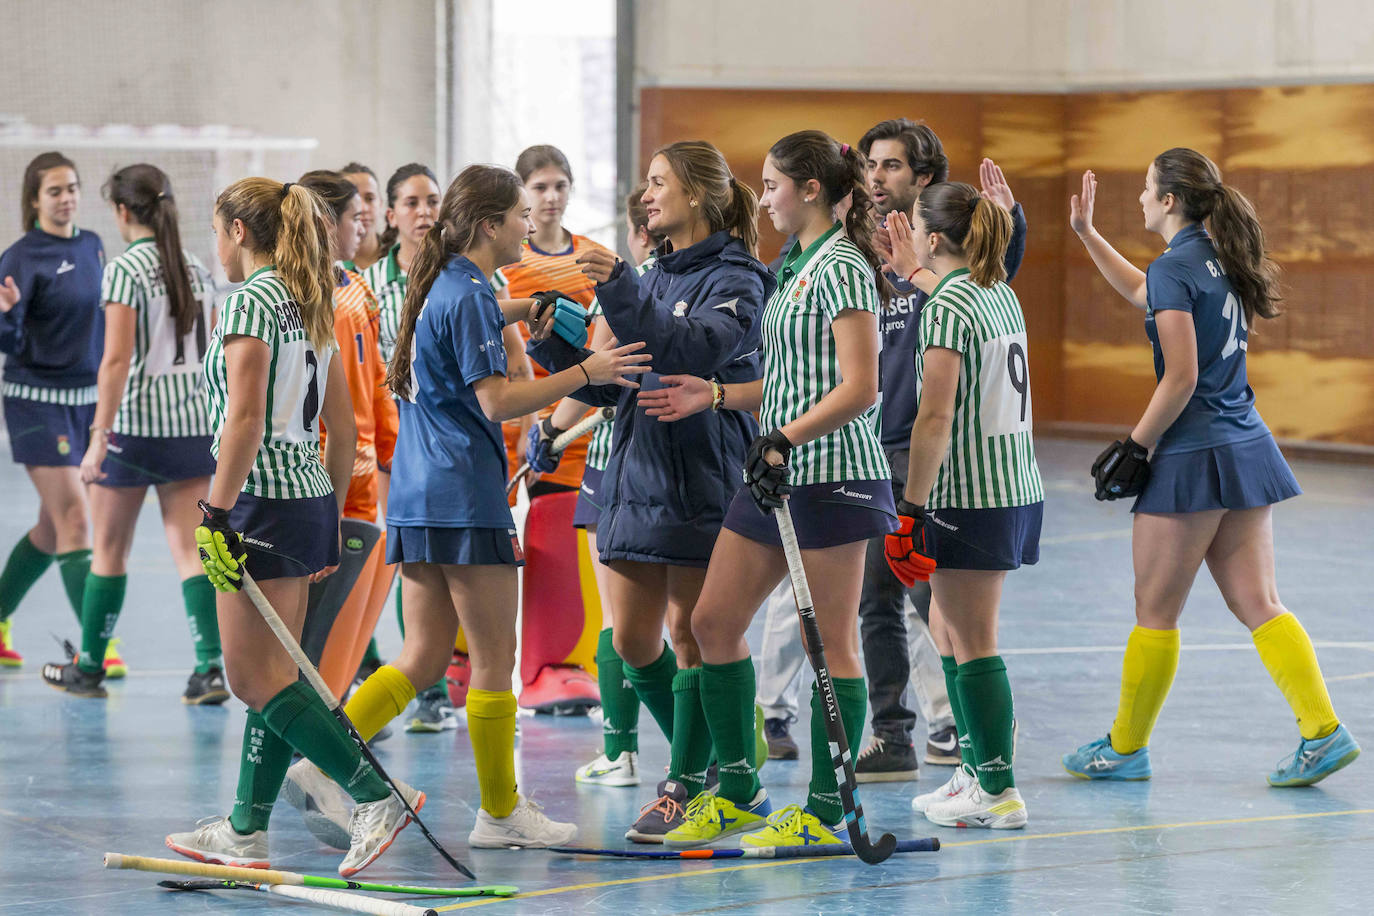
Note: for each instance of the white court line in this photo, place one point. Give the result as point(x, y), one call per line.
point(1203, 647)
point(1351, 677)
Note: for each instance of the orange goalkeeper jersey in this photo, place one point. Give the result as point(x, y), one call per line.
point(537, 271)
point(374, 411)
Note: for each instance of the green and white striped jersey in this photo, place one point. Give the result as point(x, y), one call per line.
point(288, 463)
point(599, 445)
point(991, 459)
point(165, 393)
point(800, 364)
point(388, 282)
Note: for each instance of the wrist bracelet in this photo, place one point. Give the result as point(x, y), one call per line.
point(717, 395)
point(584, 373)
point(99, 429)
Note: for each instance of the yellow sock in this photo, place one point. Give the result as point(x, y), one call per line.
point(378, 700)
point(491, 728)
point(1147, 673)
point(1287, 652)
point(460, 644)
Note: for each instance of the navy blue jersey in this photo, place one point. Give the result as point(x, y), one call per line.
point(901, 322)
point(54, 336)
point(449, 469)
point(1188, 277)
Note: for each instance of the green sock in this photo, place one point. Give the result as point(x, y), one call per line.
point(823, 797)
point(261, 771)
point(199, 597)
point(298, 715)
point(25, 566)
point(986, 697)
point(951, 668)
point(75, 566)
point(619, 702)
point(370, 654)
point(654, 685)
point(102, 599)
point(690, 754)
point(728, 691)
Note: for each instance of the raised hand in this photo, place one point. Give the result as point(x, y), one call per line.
point(9, 295)
point(995, 187)
point(902, 258)
point(681, 396)
point(1081, 206)
point(617, 365)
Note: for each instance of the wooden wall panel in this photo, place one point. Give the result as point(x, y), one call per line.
point(1302, 154)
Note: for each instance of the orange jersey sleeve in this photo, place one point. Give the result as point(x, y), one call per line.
point(355, 329)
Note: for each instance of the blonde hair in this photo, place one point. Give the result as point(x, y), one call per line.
point(725, 202)
point(290, 222)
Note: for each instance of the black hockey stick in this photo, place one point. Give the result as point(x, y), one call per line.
point(293, 648)
point(871, 853)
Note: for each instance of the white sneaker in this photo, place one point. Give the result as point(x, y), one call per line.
point(216, 841)
point(975, 808)
point(323, 803)
point(374, 826)
point(622, 771)
point(527, 825)
point(956, 784)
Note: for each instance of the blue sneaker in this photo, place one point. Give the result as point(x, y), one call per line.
point(1098, 761)
point(1316, 759)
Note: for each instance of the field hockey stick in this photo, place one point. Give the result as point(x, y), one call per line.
point(293, 648)
point(354, 903)
point(821, 850)
point(272, 876)
point(869, 852)
point(565, 439)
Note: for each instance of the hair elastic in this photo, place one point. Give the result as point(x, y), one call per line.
point(286, 189)
point(844, 149)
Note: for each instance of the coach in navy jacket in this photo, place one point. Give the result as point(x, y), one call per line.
point(667, 485)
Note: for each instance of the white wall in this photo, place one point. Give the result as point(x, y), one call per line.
point(1001, 45)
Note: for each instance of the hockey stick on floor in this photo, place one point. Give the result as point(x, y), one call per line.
point(355, 903)
point(293, 648)
point(821, 850)
point(869, 852)
point(273, 876)
point(565, 439)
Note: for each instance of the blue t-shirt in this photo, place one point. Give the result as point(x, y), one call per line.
point(1188, 277)
point(54, 336)
point(449, 470)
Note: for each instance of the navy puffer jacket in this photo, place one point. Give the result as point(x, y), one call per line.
point(667, 485)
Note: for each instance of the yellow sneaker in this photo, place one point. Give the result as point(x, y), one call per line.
point(114, 665)
point(8, 657)
point(711, 817)
point(792, 826)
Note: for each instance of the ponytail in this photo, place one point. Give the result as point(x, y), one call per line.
point(146, 193)
point(479, 193)
point(292, 224)
point(839, 169)
point(970, 226)
point(1235, 228)
point(726, 202)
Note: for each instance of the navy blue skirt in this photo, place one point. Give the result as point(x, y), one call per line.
point(992, 539)
point(48, 435)
point(287, 538)
point(1243, 475)
point(824, 514)
point(588, 511)
point(454, 546)
point(146, 461)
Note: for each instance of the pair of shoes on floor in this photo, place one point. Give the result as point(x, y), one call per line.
point(886, 760)
point(114, 666)
point(1314, 760)
point(962, 802)
point(372, 828)
point(562, 690)
point(433, 711)
point(72, 678)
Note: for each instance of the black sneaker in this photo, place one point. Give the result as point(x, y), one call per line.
point(780, 743)
point(942, 748)
point(206, 689)
point(72, 679)
point(660, 815)
point(886, 761)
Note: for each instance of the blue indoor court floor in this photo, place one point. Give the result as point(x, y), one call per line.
point(80, 777)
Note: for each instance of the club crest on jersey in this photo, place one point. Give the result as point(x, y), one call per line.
point(680, 310)
point(800, 290)
point(64, 445)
